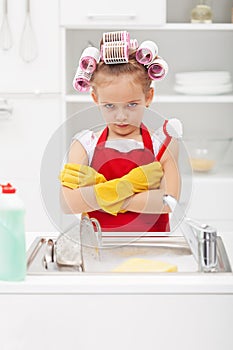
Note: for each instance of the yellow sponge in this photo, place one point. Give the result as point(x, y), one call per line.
point(144, 265)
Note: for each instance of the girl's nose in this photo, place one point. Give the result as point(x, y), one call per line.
point(120, 114)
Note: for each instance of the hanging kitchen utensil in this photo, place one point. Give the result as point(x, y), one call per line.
point(6, 41)
point(28, 44)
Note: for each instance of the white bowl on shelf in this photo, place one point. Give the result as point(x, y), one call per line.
point(207, 154)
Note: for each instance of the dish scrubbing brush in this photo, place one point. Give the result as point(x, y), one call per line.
point(171, 128)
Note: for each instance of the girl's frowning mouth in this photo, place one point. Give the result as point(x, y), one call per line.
point(121, 125)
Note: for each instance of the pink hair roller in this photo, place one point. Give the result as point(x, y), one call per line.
point(158, 69)
point(122, 35)
point(81, 80)
point(89, 59)
point(147, 52)
point(133, 44)
point(115, 52)
point(116, 46)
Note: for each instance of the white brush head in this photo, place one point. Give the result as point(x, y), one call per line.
point(174, 128)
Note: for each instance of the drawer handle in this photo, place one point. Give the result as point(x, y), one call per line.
point(107, 16)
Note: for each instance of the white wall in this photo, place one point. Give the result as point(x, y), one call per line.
point(33, 91)
point(23, 140)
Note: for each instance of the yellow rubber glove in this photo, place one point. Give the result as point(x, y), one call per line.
point(145, 177)
point(78, 175)
point(112, 194)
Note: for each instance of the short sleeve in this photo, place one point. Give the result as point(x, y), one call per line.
point(157, 138)
point(88, 140)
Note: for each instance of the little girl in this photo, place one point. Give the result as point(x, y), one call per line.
point(113, 174)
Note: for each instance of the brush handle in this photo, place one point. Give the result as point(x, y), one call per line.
point(166, 142)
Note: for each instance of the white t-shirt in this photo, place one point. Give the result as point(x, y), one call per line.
point(88, 140)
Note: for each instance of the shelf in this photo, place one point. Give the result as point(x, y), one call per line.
point(83, 98)
point(194, 98)
point(197, 26)
point(224, 174)
point(86, 98)
point(167, 26)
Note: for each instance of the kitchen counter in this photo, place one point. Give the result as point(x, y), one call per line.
point(126, 311)
point(92, 283)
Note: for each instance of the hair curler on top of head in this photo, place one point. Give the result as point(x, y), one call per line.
point(116, 48)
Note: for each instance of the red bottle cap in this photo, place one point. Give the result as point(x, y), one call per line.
point(8, 188)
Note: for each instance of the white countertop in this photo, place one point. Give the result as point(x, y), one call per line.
point(167, 283)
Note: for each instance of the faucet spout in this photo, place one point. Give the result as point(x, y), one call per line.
point(207, 245)
point(201, 238)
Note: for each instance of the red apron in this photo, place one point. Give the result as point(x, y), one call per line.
point(114, 164)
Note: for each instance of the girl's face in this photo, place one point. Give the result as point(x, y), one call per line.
point(122, 102)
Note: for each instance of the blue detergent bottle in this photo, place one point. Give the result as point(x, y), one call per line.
point(12, 235)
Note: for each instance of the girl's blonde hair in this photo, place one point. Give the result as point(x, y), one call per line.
point(137, 71)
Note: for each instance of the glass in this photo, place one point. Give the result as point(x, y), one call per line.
point(202, 13)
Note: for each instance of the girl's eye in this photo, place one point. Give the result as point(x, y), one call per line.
point(109, 106)
point(132, 104)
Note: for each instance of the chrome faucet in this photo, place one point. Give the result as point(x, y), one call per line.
point(207, 245)
point(201, 238)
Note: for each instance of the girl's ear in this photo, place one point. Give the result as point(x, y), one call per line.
point(94, 97)
point(149, 96)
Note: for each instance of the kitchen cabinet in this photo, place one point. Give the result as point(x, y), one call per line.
point(186, 47)
point(118, 311)
point(115, 321)
point(42, 74)
point(117, 13)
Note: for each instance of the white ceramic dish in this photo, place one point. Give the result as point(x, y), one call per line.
point(203, 74)
point(204, 81)
point(203, 90)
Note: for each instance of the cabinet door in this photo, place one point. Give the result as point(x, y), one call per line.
point(42, 74)
point(23, 141)
point(116, 322)
point(118, 12)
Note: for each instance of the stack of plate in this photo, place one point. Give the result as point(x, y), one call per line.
point(203, 83)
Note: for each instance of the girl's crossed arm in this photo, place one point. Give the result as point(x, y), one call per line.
point(83, 199)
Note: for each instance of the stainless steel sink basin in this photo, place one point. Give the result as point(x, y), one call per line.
point(41, 257)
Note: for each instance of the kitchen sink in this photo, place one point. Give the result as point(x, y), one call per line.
point(41, 256)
